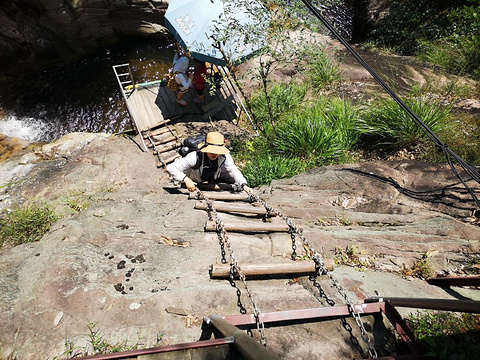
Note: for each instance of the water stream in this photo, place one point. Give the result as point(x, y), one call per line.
point(82, 95)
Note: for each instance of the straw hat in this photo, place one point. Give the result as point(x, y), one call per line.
point(214, 144)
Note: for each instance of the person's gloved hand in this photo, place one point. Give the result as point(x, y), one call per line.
point(189, 184)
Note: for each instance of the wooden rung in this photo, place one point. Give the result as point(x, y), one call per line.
point(234, 208)
point(223, 196)
point(160, 142)
point(248, 227)
point(157, 132)
point(161, 123)
point(171, 158)
point(167, 148)
point(222, 271)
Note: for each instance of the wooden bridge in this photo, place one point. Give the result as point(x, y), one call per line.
point(153, 108)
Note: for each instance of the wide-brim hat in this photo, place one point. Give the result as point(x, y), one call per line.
point(214, 144)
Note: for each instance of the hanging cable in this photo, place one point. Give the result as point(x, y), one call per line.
point(471, 170)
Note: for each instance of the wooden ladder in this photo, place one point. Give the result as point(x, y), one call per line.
point(164, 141)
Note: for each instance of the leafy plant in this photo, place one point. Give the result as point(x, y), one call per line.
point(447, 335)
point(267, 167)
point(389, 126)
point(421, 269)
point(27, 224)
point(325, 130)
point(98, 344)
point(351, 257)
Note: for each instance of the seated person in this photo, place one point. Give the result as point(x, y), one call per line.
point(212, 163)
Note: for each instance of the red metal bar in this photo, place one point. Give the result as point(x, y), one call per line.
point(279, 318)
point(471, 280)
point(161, 349)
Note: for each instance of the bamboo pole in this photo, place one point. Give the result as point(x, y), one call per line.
point(233, 208)
point(160, 131)
point(248, 227)
point(160, 142)
point(223, 196)
point(222, 271)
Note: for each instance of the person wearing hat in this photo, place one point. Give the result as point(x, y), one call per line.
point(211, 163)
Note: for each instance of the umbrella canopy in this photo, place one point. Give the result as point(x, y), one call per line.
point(239, 28)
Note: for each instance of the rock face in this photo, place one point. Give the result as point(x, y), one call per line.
point(130, 254)
point(38, 32)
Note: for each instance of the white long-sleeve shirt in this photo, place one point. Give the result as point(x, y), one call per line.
point(183, 167)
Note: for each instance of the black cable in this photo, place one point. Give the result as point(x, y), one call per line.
point(471, 170)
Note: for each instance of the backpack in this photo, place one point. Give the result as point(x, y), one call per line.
point(171, 82)
point(191, 144)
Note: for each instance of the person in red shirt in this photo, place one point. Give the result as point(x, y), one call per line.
point(199, 74)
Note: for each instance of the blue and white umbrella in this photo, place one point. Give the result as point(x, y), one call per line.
point(202, 27)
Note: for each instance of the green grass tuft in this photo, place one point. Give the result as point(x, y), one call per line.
point(27, 224)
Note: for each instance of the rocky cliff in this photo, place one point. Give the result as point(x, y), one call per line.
point(34, 33)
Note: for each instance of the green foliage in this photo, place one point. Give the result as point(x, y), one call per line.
point(326, 129)
point(388, 125)
point(447, 335)
point(264, 168)
point(284, 98)
point(445, 33)
point(98, 344)
point(421, 269)
point(322, 70)
point(25, 225)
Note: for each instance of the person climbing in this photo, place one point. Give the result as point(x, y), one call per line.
point(211, 163)
point(199, 76)
point(182, 77)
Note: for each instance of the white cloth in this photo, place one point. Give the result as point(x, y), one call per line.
point(180, 67)
point(182, 167)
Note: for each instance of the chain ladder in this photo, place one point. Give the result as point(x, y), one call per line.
point(321, 270)
point(234, 267)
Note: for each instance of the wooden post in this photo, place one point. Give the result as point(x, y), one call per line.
point(222, 271)
point(224, 196)
point(248, 227)
point(234, 208)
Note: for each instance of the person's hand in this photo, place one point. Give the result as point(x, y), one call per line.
point(247, 189)
point(189, 184)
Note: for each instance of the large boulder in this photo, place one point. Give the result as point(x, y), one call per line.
point(34, 33)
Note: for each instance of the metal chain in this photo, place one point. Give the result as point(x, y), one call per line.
point(235, 268)
point(322, 270)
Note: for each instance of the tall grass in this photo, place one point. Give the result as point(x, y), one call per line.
point(285, 97)
point(326, 129)
point(322, 132)
point(26, 224)
point(385, 124)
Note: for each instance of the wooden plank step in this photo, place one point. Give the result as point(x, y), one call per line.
point(223, 196)
point(234, 208)
point(248, 226)
point(301, 267)
point(168, 147)
point(153, 127)
point(160, 142)
point(159, 131)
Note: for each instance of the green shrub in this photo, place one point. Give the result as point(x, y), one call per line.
point(326, 129)
point(447, 335)
point(322, 70)
point(264, 168)
point(26, 224)
point(284, 98)
point(386, 125)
